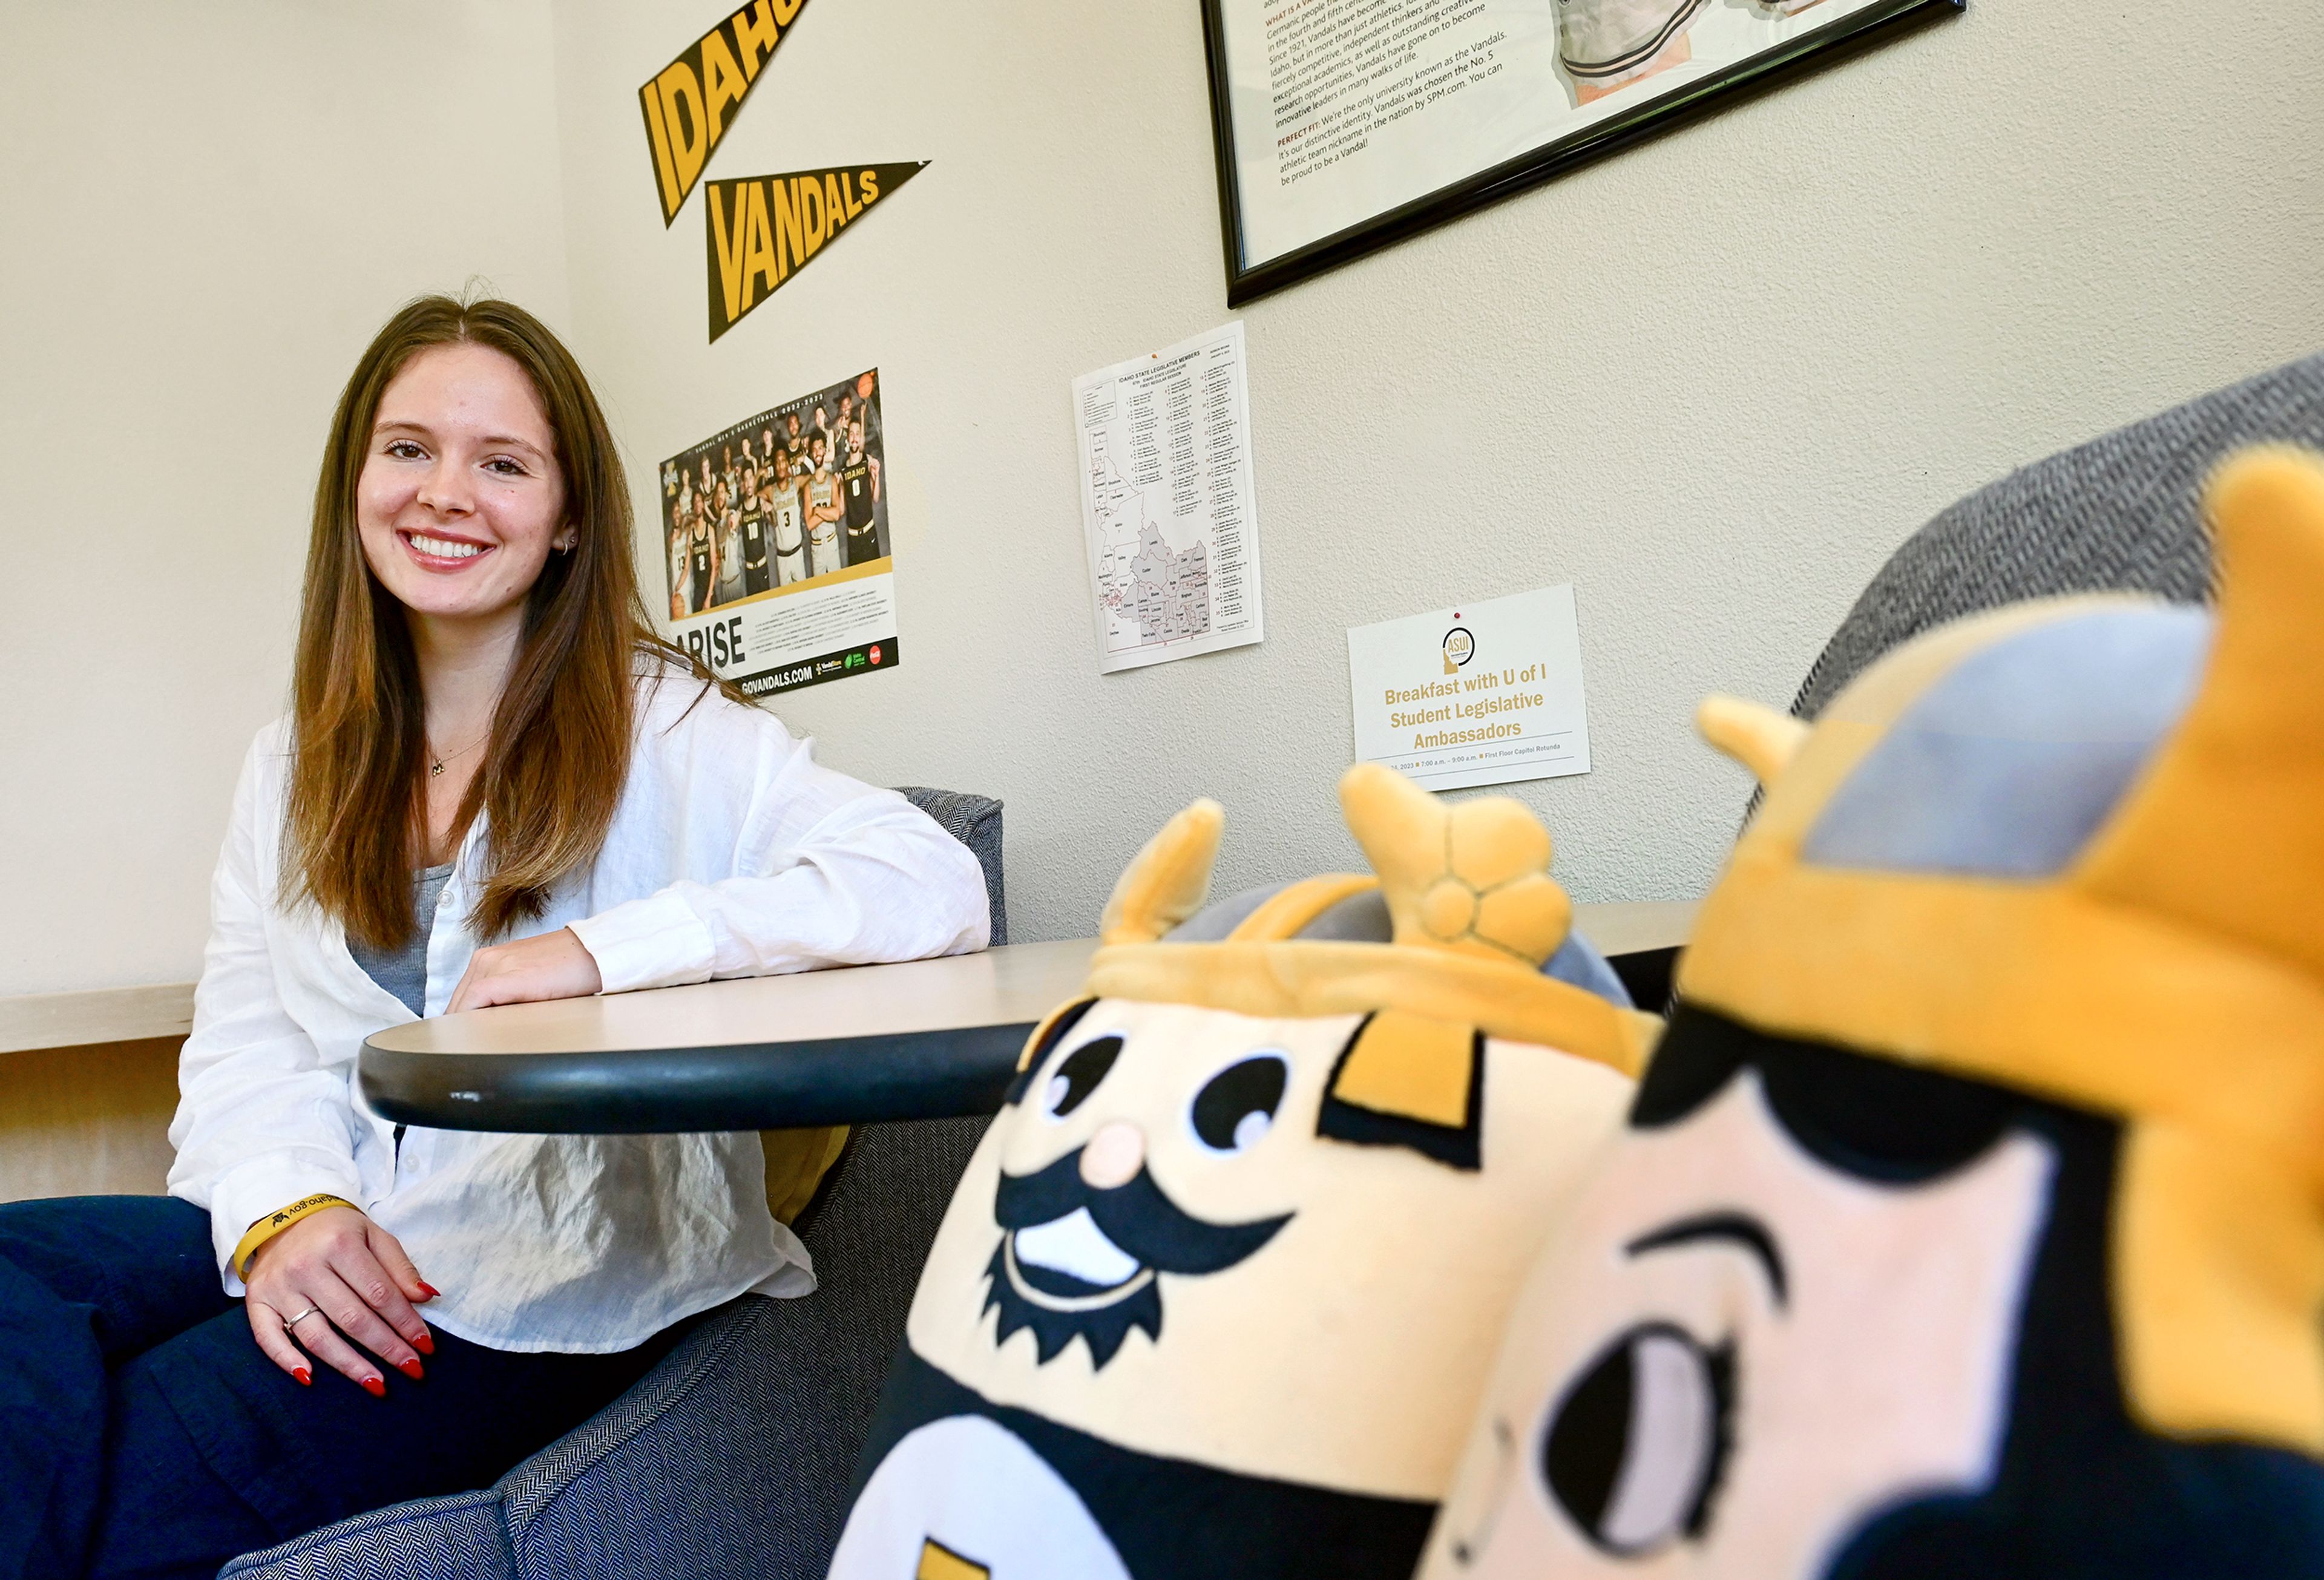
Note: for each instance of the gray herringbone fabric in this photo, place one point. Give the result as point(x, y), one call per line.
point(2118, 514)
point(459, 1537)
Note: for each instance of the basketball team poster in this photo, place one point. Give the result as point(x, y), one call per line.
point(775, 532)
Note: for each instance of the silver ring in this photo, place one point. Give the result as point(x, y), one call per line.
point(302, 1316)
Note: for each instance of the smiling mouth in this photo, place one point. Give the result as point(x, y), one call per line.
point(1069, 1264)
point(1065, 1279)
point(427, 546)
point(1076, 1261)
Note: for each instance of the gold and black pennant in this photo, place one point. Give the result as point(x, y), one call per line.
point(764, 229)
point(689, 103)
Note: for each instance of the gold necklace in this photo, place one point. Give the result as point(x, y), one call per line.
point(438, 758)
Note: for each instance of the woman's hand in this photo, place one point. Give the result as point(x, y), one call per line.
point(360, 1283)
point(554, 965)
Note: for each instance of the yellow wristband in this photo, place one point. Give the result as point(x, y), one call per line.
point(274, 1223)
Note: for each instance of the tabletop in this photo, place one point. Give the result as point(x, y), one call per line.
point(920, 1040)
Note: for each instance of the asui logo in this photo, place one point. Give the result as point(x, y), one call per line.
point(1459, 647)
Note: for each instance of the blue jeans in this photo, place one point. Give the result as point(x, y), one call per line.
point(142, 1433)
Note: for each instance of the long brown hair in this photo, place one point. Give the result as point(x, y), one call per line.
point(559, 749)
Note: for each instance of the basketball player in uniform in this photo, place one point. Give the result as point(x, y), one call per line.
point(754, 529)
point(701, 551)
point(824, 512)
point(678, 610)
point(867, 416)
point(867, 410)
point(787, 521)
point(859, 482)
point(729, 586)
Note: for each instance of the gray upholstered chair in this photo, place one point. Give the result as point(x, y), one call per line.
point(735, 1456)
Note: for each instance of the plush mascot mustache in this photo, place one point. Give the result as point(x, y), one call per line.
point(1078, 1261)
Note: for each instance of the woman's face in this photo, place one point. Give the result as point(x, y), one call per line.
point(461, 500)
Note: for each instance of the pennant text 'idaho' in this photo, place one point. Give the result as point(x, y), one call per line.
point(764, 229)
point(689, 105)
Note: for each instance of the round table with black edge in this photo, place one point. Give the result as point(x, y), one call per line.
point(853, 1046)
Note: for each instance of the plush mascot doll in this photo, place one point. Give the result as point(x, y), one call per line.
point(1970, 1220)
point(1218, 1292)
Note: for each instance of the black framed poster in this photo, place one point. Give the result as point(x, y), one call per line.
point(1344, 125)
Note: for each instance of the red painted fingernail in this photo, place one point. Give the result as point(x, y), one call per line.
point(306, 1378)
point(375, 1386)
point(429, 1291)
point(411, 1369)
point(425, 1345)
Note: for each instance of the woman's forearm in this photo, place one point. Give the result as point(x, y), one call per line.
point(848, 876)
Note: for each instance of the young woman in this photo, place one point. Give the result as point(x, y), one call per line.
point(495, 784)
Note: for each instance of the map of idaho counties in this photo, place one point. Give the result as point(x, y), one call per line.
point(1167, 593)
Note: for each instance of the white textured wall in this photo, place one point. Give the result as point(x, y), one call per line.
point(1711, 382)
point(207, 210)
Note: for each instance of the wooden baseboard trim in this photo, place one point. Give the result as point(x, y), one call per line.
point(101, 1014)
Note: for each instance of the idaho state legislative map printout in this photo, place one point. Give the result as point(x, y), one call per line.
point(1166, 500)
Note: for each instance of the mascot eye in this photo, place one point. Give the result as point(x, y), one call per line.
point(1237, 1105)
point(1636, 1449)
point(1077, 1075)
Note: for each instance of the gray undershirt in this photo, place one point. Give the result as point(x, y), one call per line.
point(403, 971)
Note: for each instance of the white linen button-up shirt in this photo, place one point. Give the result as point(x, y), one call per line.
point(732, 854)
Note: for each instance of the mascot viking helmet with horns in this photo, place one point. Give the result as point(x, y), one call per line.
point(1971, 1218)
point(1218, 1290)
